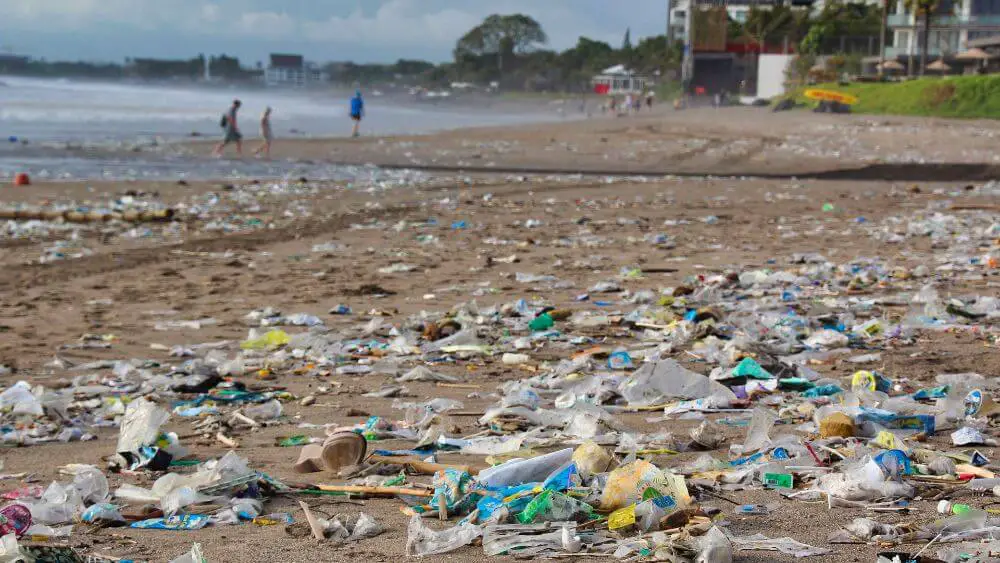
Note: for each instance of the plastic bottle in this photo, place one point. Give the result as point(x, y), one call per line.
point(947, 507)
point(983, 484)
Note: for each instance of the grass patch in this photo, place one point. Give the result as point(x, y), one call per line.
point(960, 96)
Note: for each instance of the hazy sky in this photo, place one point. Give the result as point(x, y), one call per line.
point(323, 30)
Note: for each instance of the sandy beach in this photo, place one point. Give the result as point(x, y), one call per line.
point(732, 190)
point(740, 141)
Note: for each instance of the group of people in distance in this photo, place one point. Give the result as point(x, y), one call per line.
point(232, 134)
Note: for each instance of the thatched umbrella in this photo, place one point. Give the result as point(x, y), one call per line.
point(974, 54)
point(891, 65)
point(939, 66)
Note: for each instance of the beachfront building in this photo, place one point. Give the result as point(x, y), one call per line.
point(619, 80)
point(955, 27)
point(737, 10)
point(292, 71)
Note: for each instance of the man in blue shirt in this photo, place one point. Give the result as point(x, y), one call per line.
point(357, 112)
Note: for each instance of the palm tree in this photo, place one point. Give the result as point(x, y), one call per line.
point(924, 10)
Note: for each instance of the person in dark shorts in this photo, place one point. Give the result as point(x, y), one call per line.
point(357, 113)
point(231, 127)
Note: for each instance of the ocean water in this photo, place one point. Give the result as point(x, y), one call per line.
point(55, 117)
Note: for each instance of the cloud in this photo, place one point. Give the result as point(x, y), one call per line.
point(265, 24)
point(399, 23)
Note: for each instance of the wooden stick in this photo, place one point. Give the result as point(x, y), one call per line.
point(442, 507)
point(418, 466)
point(226, 440)
point(459, 385)
point(390, 491)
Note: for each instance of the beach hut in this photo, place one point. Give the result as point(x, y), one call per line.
point(620, 80)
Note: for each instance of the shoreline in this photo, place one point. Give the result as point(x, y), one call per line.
point(727, 142)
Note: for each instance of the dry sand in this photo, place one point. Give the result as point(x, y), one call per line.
point(202, 274)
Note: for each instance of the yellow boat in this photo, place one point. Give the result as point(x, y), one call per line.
point(830, 96)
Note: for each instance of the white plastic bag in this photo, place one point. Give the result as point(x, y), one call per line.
point(141, 425)
point(422, 540)
point(193, 556)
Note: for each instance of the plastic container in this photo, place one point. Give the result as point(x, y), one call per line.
point(14, 519)
point(948, 507)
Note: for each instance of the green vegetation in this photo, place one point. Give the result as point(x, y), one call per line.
point(962, 97)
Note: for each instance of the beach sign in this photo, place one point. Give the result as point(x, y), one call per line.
point(830, 96)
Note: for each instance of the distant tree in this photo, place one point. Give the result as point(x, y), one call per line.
point(502, 37)
point(627, 51)
point(406, 67)
point(841, 19)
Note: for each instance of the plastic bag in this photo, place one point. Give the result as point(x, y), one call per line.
point(193, 556)
point(421, 373)
point(91, 484)
point(102, 512)
point(141, 425)
point(21, 400)
point(758, 437)
point(526, 541)
point(517, 471)
point(784, 545)
point(591, 459)
point(178, 522)
point(629, 484)
point(714, 547)
point(10, 551)
point(550, 506)
point(422, 540)
point(271, 339)
point(366, 527)
point(666, 379)
point(264, 411)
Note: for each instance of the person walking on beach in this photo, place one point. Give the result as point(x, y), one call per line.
point(232, 129)
point(266, 134)
point(357, 112)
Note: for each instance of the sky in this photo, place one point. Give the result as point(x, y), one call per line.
point(322, 30)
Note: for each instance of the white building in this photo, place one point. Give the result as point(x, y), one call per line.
point(618, 80)
point(951, 29)
point(292, 70)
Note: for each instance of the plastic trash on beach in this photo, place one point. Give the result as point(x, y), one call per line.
point(141, 425)
point(422, 540)
point(10, 550)
point(264, 411)
point(193, 556)
point(517, 471)
point(535, 541)
point(663, 380)
point(714, 547)
point(758, 433)
point(20, 399)
point(787, 546)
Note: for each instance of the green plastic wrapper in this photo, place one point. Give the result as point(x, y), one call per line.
point(550, 506)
